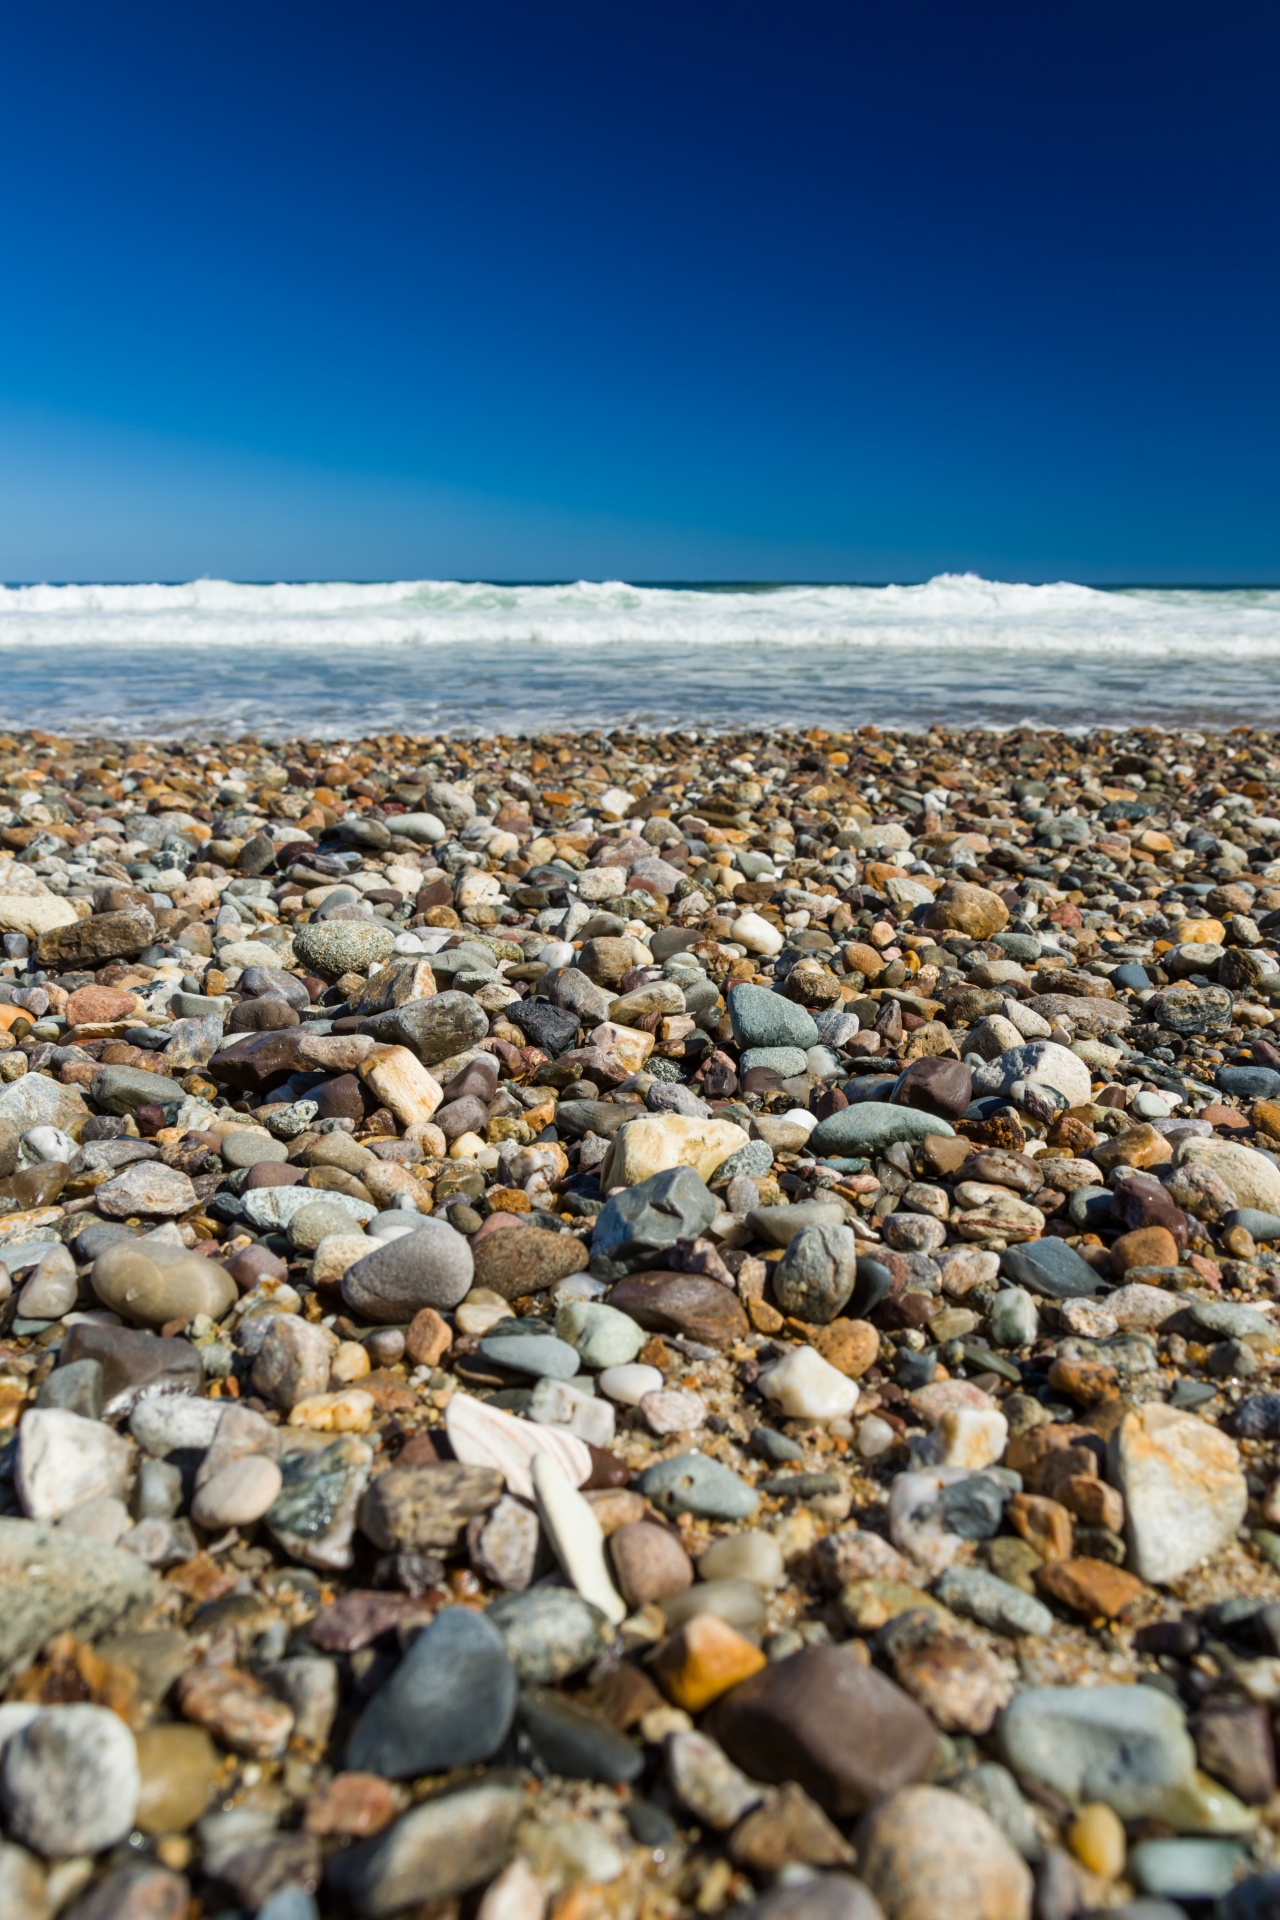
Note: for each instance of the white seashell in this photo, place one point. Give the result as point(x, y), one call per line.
point(575, 1533)
point(484, 1436)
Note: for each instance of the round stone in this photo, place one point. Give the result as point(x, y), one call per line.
point(449, 1703)
point(521, 1260)
point(629, 1384)
point(176, 1766)
point(150, 1288)
point(248, 1149)
point(333, 947)
point(925, 1851)
point(649, 1563)
point(69, 1781)
point(237, 1494)
point(750, 1555)
point(432, 1267)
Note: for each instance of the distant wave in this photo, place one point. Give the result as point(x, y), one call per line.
point(342, 660)
point(953, 611)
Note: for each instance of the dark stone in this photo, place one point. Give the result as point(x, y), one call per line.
point(1234, 1744)
point(874, 1283)
point(134, 1364)
point(76, 1388)
point(554, 1029)
point(844, 1732)
point(1130, 978)
point(450, 1702)
point(1258, 1417)
point(434, 1028)
point(936, 1085)
point(126, 1089)
point(827, 1896)
point(103, 936)
point(643, 1222)
point(778, 1448)
point(685, 1303)
point(572, 1741)
point(973, 1507)
point(1187, 1009)
point(140, 1891)
point(1050, 1268)
point(275, 983)
point(342, 1098)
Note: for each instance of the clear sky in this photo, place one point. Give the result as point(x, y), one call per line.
point(697, 290)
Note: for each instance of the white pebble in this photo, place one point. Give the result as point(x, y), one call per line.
point(756, 934)
point(807, 1387)
point(628, 1385)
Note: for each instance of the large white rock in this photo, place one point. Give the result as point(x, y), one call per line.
point(807, 1387)
point(63, 1459)
point(1043, 1061)
point(1250, 1176)
point(34, 913)
point(657, 1141)
point(1184, 1491)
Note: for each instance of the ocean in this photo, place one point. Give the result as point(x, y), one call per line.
point(220, 658)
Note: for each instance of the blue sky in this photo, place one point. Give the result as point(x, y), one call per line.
point(823, 291)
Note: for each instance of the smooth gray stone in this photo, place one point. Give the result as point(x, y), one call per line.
point(762, 1018)
point(1051, 1268)
point(449, 1703)
point(694, 1483)
point(1128, 1746)
point(869, 1125)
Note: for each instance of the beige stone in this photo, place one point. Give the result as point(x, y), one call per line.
point(657, 1141)
point(402, 1083)
point(1184, 1490)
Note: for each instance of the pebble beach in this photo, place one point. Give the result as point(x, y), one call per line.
point(621, 1325)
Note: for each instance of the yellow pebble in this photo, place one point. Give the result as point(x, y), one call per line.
point(349, 1412)
point(350, 1362)
point(1097, 1840)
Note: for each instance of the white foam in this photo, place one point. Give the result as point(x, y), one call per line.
point(334, 657)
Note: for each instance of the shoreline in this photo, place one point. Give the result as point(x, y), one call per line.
point(620, 1325)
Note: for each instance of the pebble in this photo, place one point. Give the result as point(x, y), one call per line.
point(924, 1850)
point(69, 1781)
point(977, 1141)
point(1184, 1490)
point(430, 1267)
point(434, 1852)
point(694, 1483)
point(806, 1387)
point(449, 1703)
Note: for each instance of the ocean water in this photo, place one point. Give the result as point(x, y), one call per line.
point(217, 658)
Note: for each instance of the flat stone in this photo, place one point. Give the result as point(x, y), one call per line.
point(1253, 1179)
point(54, 1583)
point(449, 1703)
point(638, 1225)
point(1184, 1490)
point(1051, 1268)
point(682, 1303)
point(871, 1125)
point(576, 1743)
point(135, 1365)
point(656, 1142)
point(148, 1188)
point(125, 1089)
point(762, 1018)
point(694, 1483)
point(526, 1259)
point(979, 1595)
point(37, 1101)
point(1125, 1746)
point(438, 1850)
point(604, 1339)
point(103, 936)
point(840, 1729)
point(415, 1508)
